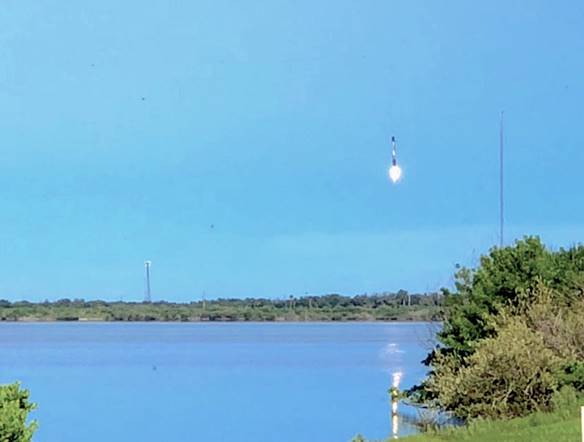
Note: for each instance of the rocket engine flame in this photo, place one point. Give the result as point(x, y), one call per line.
point(395, 173)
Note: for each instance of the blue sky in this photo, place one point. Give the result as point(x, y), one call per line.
point(243, 147)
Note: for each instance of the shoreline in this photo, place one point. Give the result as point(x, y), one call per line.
point(101, 321)
point(328, 308)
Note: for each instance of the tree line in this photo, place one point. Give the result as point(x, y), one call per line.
point(387, 306)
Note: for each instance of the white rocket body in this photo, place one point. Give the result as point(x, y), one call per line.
point(395, 171)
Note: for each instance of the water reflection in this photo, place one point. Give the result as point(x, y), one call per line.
point(394, 393)
point(394, 426)
point(411, 419)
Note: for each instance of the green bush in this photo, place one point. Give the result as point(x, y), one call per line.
point(14, 409)
point(509, 375)
point(513, 334)
point(572, 375)
point(506, 277)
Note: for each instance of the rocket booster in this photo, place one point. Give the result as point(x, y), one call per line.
point(395, 172)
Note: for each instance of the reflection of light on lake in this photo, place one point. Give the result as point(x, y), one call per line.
point(392, 357)
point(394, 403)
point(392, 349)
point(396, 379)
point(394, 426)
point(395, 357)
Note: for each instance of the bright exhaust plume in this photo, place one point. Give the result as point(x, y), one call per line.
point(395, 173)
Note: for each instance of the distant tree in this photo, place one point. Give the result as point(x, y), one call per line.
point(361, 307)
point(64, 301)
point(403, 297)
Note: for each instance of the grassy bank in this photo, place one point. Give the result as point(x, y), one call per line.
point(563, 426)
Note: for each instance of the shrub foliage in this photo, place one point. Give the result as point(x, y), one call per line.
point(513, 334)
point(14, 409)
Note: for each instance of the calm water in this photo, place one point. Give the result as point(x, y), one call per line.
point(211, 382)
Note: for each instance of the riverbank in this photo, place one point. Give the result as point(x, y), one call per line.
point(559, 426)
point(430, 323)
point(385, 308)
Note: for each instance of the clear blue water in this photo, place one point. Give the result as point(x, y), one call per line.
point(211, 382)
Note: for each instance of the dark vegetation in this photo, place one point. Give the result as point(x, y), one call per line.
point(379, 307)
point(513, 335)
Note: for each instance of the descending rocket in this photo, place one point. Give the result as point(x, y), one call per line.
point(395, 171)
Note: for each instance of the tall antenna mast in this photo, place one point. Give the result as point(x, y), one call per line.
point(147, 294)
point(501, 193)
